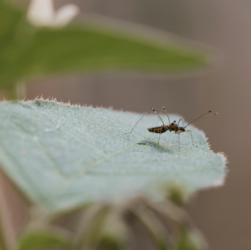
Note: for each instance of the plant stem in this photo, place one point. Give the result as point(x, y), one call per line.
point(3, 243)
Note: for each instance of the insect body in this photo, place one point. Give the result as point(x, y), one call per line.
point(172, 127)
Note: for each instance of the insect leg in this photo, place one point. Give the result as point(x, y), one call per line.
point(143, 116)
point(179, 141)
point(178, 133)
point(181, 119)
point(191, 136)
point(159, 138)
point(160, 113)
point(166, 114)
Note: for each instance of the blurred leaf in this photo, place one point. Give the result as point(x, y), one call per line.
point(62, 155)
point(114, 233)
point(36, 239)
point(90, 226)
point(92, 48)
point(176, 194)
point(190, 239)
point(27, 51)
point(154, 227)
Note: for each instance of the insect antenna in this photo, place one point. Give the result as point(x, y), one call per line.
point(209, 113)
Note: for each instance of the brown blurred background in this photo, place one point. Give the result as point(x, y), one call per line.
point(222, 214)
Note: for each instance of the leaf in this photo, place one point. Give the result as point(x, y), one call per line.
point(190, 239)
point(63, 156)
point(35, 239)
point(28, 51)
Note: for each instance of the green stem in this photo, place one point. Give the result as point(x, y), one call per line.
point(3, 243)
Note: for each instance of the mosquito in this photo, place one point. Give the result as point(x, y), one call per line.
point(174, 126)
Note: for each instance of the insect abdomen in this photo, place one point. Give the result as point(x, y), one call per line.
point(158, 130)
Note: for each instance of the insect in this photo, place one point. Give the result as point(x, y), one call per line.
point(174, 126)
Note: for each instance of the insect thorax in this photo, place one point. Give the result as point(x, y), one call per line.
point(173, 127)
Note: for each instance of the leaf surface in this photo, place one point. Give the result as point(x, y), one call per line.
point(62, 156)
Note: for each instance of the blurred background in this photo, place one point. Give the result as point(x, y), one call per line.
point(222, 214)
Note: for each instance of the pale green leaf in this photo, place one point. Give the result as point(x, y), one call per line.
point(62, 155)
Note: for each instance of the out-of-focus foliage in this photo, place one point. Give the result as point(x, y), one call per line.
point(15, 35)
point(43, 238)
point(26, 50)
point(62, 155)
point(188, 239)
point(118, 226)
